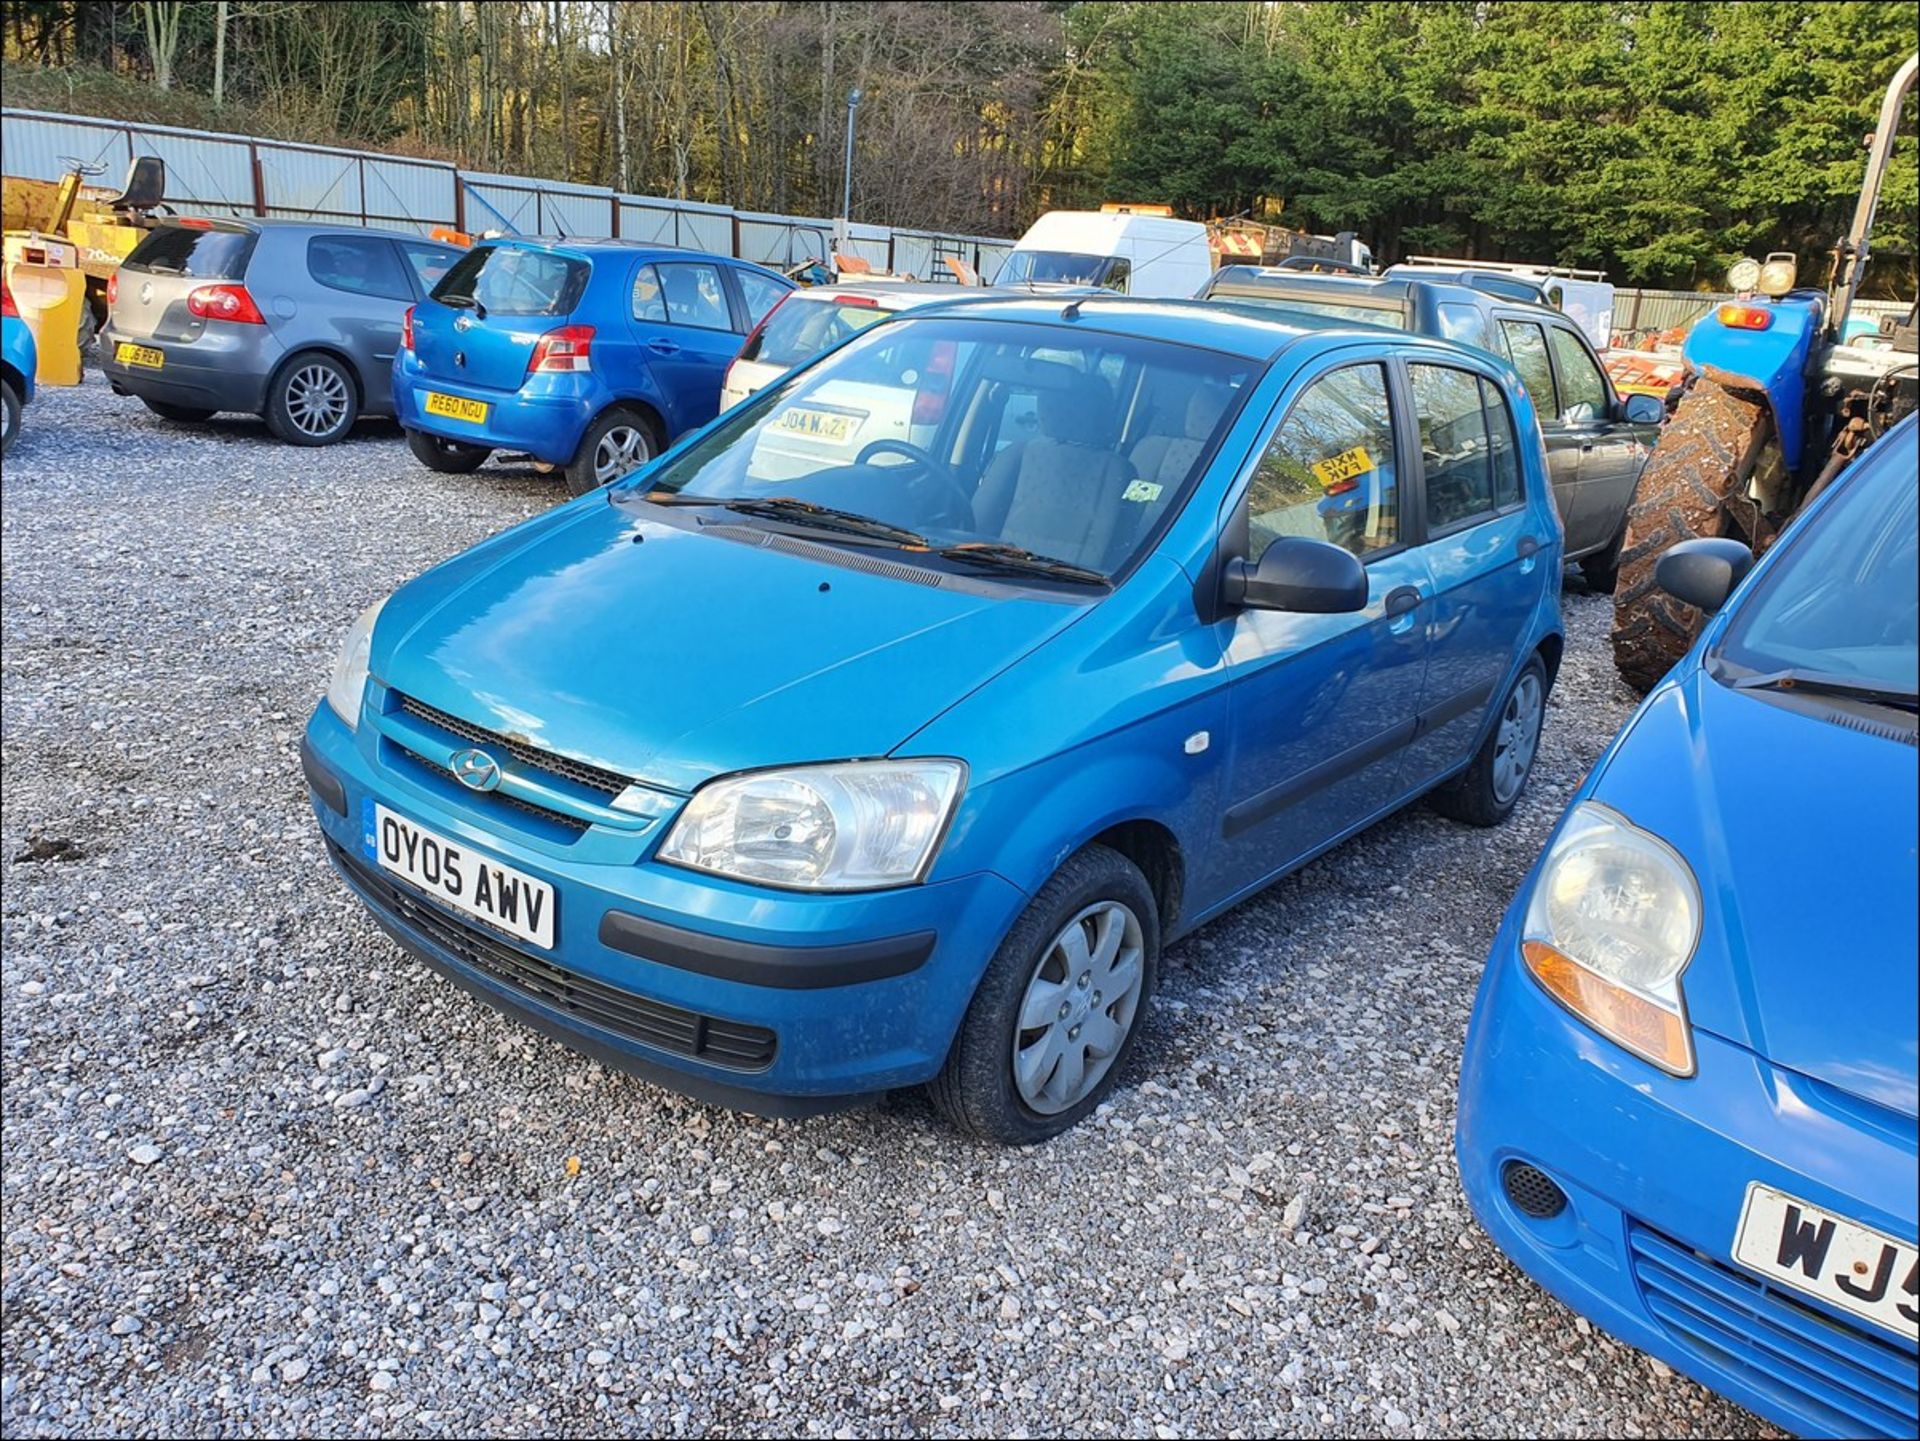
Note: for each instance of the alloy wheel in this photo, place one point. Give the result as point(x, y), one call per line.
point(317, 399)
point(1517, 738)
point(623, 448)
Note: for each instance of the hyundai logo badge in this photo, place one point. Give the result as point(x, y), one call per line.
point(476, 770)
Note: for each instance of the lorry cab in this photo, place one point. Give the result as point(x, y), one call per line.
point(1152, 256)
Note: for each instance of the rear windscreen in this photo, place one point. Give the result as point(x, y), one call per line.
point(801, 329)
point(1393, 317)
point(505, 280)
point(186, 250)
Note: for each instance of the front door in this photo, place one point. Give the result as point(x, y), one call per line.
point(1322, 706)
point(1611, 450)
point(1527, 343)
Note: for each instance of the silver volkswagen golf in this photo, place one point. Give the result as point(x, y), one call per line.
point(291, 320)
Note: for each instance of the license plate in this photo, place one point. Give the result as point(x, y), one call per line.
point(455, 407)
point(459, 876)
point(1845, 1264)
point(822, 424)
point(128, 353)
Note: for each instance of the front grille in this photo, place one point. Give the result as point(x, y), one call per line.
point(558, 818)
point(607, 783)
point(732, 1044)
point(1850, 1381)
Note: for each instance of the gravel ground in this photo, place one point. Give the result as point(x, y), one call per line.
point(265, 1174)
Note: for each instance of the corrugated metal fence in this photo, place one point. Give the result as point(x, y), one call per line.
point(209, 173)
point(1638, 314)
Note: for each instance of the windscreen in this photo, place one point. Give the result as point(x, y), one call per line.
point(801, 329)
point(188, 250)
point(506, 280)
point(1062, 441)
point(1054, 267)
point(1845, 598)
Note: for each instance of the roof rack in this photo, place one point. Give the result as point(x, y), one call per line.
point(1505, 267)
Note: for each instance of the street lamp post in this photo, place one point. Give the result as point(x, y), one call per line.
point(846, 193)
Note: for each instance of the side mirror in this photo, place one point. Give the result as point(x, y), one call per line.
point(1643, 410)
point(1297, 574)
point(1703, 573)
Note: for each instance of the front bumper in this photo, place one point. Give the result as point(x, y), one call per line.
point(1655, 1171)
point(219, 370)
point(773, 1002)
point(545, 419)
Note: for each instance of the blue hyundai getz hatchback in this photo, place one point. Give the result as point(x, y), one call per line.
point(588, 356)
point(800, 765)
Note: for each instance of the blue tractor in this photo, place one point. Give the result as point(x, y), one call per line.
point(1784, 388)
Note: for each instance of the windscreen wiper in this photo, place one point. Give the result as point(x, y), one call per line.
point(800, 512)
point(464, 302)
point(1815, 682)
point(1013, 557)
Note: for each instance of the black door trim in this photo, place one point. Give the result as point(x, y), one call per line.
point(1242, 817)
point(1454, 706)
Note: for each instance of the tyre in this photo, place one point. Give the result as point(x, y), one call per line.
point(312, 400)
point(186, 414)
point(618, 442)
point(1602, 569)
point(1706, 452)
point(1060, 1006)
point(1484, 794)
point(449, 457)
point(10, 400)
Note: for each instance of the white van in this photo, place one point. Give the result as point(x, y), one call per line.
point(1145, 255)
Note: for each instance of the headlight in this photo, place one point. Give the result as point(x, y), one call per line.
point(857, 825)
point(1613, 921)
point(350, 667)
point(1744, 277)
point(1778, 274)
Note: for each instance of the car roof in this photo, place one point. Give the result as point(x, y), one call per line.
point(1377, 288)
point(289, 223)
point(908, 293)
point(588, 249)
point(1253, 332)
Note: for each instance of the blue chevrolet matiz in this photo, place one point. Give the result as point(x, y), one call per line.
point(1688, 1104)
point(788, 774)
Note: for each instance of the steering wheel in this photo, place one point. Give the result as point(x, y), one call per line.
point(961, 507)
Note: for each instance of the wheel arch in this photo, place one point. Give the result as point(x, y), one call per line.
point(332, 352)
point(1155, 850)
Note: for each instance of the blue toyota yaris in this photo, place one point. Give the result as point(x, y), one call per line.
point(791, 774)
point(589, 356)
point(1688, 1100)
point(19, 359)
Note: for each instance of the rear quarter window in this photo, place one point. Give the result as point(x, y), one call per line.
point(188, 250)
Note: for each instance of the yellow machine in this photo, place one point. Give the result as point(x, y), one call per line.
point(50, 290)
point(100, 224)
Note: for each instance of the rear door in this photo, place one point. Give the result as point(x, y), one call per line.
point(364, 291)
point(478, 329)
point(1526, 342)
point(1482, 549)
point(150, 297)
point(682, 316)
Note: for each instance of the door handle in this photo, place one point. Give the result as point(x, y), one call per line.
point(1400, 601)
point(1527, 547)
point(663, 347)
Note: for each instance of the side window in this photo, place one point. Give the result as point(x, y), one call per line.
point(1119, 274)
point(428, 262)
point(648, 302)
point(1463, 323)
point(1580, 380)
point(1529, 349)
point(1453, 445)
point(1328, 473)
point(695, 296)
point(1503, 446)
point(360, 264)
point(761, 292)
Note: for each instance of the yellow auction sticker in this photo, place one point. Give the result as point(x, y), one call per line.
point(1336, 469)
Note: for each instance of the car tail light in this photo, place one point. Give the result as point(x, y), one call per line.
point(866, 302)
point(566, 350)
point(406, 330)
point(930, 404)
point(194, 222)
point(225, 302)
point(1745, 317)
point(7, 307)
point(751, 345)
point(113, 287)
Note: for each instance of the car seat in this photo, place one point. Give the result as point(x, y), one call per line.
point(1059, 493)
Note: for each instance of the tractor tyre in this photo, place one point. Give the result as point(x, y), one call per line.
point(1705, 455)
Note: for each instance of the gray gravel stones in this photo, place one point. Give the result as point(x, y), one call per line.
point(333, 1196)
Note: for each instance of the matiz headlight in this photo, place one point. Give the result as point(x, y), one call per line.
point(350, 667)
point(851, 826)
point(1612, 922)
